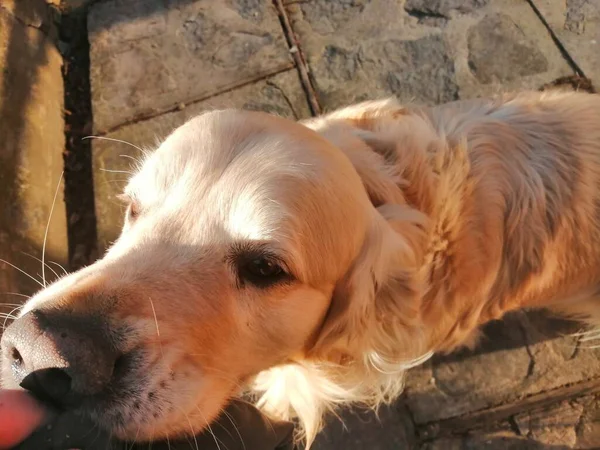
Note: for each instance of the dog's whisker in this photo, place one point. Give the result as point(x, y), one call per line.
point(18, 294)
point(192, 429)
point(9, 315)
point(22, 271)
point(223, 426)
point(135, 160)
point(209, 428)
point(120, 141)
point(13, 305)
point(583, 333)
point(235, 427)
point(155, 318)
point(137, 433)
point(48, 228)
point(46, 264)
point(127, 172)
point(60, 266)
point(157, 329)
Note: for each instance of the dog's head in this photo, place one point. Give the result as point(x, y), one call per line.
point(250, 242)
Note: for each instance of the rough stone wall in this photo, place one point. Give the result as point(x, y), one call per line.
point(31, 146)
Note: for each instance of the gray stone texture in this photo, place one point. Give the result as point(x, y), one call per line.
point(576, 24)
point(572, 424)
point(423, 51)
point(523, 355)
point(280, 94)
point(511, 46)
point(357, 429)
point(31, 146)
point(149, 56)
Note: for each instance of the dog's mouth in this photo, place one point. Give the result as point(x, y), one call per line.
point(140, 411)
point(239, 426)
point(117, 376)
point(131, 400)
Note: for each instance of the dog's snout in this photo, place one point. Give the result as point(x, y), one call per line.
point(59, 358)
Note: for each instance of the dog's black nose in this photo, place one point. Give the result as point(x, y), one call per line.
point(61, 359)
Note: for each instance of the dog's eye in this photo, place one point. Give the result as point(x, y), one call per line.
point(133, 206)
point(262, 272)
point(133, 211)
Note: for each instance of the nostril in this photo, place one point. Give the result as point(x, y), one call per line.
point(17, 359)
point(119, 366)
point(50, 385)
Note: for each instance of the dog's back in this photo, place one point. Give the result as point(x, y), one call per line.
point(512, 188)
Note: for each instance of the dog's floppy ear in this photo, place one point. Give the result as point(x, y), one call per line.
point(375, 306)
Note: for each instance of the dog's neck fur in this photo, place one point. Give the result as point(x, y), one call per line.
point(492, 244)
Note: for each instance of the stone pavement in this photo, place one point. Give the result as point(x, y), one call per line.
point(158, 62)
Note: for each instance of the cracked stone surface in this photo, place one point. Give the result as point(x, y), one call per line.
point(153, 55)
point(513, 48)
point(576, 23)
point(522, 354)
point(280, 94)
point(573, 424)
point(423, 51)
point(358, 430)
point(442, 8)
point(556, 425)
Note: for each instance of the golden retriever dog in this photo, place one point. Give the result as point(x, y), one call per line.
point(314, 262)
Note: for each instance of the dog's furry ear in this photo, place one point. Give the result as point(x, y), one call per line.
point(373, 319)
point(375, 307)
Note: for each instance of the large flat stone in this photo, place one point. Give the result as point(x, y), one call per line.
point(576, 24)
point(390, 429)
point(281, 94)
point(573, 424)
point(149, 56)
point(423, 51)
point(520, 356)
point(31, 145)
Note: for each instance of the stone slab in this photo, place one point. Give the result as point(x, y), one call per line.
point(520, 356)
point(423, 51)
point(390, 429)
point(576, 24)
point(573, 424)
point(149, 56)
point(32, 131)
point(281, 94)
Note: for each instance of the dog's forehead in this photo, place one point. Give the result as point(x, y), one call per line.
point(244, 173)
point(231, 142)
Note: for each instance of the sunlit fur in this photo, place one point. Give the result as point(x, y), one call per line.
point(405, 228)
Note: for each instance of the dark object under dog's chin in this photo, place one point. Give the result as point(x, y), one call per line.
point(243, 427)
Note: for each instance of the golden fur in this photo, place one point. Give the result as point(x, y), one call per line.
point(403, 228)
